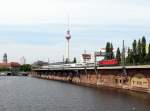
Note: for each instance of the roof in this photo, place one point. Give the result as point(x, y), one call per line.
point(11, 64)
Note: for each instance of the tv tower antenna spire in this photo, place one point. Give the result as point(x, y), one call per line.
point(68, 37)
point(68, 22)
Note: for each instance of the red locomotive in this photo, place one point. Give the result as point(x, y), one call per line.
point(108, 62)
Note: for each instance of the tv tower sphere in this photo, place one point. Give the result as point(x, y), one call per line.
point(68, 36)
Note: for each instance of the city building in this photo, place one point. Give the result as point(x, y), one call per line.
point(5, 65)
point(5, 58)
point(11, 66)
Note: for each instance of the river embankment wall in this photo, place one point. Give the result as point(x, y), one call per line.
point(137, 79)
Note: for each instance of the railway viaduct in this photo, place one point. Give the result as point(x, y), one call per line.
point(135, 78)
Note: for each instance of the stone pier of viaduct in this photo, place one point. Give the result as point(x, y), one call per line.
point(136, 78)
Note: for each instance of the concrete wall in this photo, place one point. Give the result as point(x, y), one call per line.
point(138, 80)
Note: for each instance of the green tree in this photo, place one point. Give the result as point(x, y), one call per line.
point(4, 69)
point(129, 59)
point(139, 51)
point(143, 50)
point(109, 51)
point(74, 60)
point(134, 45)
point(66, 61)
point(25, 67)
point(118, 55)
point(148, 55)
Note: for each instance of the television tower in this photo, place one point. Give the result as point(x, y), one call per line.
point(68, 37)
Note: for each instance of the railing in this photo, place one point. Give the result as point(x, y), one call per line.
point(65, 67)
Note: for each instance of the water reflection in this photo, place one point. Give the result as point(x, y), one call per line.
point(30, 94)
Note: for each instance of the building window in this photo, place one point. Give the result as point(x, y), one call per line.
point(144, 82)
point(139, 83)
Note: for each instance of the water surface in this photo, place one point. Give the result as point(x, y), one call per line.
point(31, 94)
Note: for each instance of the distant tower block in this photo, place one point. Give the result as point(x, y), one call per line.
point(68, 37)
point(5, 58)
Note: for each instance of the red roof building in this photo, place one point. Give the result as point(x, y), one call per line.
point(10, 65)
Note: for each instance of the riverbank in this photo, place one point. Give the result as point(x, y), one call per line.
point(99, 81)
point(133, 78)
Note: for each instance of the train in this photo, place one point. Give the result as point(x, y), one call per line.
point(111, 62)
point(57, 66)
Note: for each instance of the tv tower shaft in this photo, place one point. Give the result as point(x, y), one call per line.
point(68, 37)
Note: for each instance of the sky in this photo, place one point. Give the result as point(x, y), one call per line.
point(36, 29)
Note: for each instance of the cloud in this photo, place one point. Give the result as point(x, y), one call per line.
point(36, 28)
point(81, 12)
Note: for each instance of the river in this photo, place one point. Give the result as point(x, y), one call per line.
point(32, 94)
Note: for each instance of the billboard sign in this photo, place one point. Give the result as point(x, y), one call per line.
point(86, 56)
point(100, 53)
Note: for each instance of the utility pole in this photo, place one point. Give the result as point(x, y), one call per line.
point(48, 63)
point(63, 59)
point(123, 59)
point(95, 60)
point(84, 58)
point(95, 64)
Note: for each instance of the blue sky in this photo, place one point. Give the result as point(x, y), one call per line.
point(36, 29)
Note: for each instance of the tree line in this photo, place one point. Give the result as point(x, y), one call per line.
point(139, 54)
point(24, 67)
point(109, 54)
